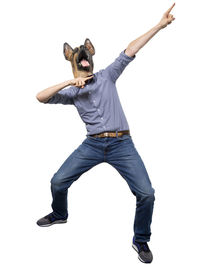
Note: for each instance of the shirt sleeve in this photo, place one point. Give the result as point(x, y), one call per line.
point(63, 96)
point(115, 69)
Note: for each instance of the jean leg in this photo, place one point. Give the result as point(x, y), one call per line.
point(81, 160)
point(124, 157)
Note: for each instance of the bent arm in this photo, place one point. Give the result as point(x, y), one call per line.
point(44, 95)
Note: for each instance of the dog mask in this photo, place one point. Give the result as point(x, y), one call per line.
point(80, 57)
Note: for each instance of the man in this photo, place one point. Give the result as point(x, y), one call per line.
point(108, 136)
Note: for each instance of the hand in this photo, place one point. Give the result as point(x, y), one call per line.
point(167, 18)
point(79, 81)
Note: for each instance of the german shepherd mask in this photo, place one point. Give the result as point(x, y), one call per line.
point(80, 57)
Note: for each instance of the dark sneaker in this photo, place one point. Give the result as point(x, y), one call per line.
point(144, 253)
point(49, 220)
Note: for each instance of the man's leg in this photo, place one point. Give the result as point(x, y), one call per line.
point(86, 156)
point(124, 157)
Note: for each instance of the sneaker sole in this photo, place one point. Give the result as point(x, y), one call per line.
point(136, 249)
point(55, 222)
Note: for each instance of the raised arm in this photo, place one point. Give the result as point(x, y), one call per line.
point(137, 44)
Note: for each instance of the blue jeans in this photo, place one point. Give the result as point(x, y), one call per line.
point(120, 153)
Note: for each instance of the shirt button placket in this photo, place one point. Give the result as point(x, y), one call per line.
point(98, 112)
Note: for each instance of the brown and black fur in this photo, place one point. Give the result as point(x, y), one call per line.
point(75, 55)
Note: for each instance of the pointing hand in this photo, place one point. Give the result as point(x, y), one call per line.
point(167, 17)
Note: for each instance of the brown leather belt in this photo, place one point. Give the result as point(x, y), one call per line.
point(112, 134)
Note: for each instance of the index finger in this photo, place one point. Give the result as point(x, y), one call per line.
point(168, 11)
point(86, 78)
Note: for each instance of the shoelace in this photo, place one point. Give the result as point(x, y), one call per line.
point(50, 217)
point(144, 247)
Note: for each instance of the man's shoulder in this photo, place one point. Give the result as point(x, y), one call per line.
point(100, 73)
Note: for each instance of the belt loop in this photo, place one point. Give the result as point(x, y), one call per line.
point(116, 133)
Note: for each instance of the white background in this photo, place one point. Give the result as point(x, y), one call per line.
point(159, 92)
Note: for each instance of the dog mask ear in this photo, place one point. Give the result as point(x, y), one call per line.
point(67, 50)
point(89, 46)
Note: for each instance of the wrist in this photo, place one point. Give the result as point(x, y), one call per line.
point(159, 26)
point(67, 83)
